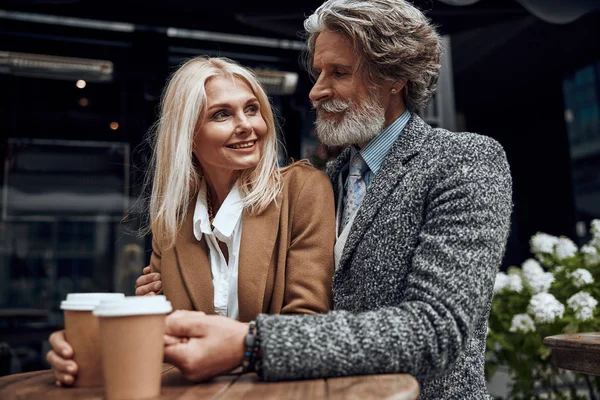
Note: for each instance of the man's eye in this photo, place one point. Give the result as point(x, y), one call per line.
point(339, 74)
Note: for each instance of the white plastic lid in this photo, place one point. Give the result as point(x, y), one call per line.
point(134, 305)
point(87, 301)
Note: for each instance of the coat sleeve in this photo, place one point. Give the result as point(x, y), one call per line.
point(155, 260)
point(155, 257)
point(460, 247)
point(309, 263)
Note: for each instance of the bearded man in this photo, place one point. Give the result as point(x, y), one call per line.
point(423, 218)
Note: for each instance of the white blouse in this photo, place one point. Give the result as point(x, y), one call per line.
point(228, 229)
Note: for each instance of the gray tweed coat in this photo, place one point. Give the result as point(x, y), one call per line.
point(414, 287)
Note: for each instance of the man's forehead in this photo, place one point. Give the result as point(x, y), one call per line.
point(333, 65)
point(334, 50)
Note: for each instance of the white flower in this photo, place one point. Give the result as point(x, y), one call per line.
point(558, 268)
point(501, 282)
point(583, 304)
point(584, 314)
point(511, 282)
point(581, 277)
point(538, 280)
point(515, 283)
point(531, 268)
point(543, 243)
point(590, 254)
point(595, 227)
point(522, 323)
point(545, 308)
point(565, 248)
point(543, 283)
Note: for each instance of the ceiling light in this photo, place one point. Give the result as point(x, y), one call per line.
point(56, 67)
point(277, 82)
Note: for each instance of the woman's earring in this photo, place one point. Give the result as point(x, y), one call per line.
point(394, 91)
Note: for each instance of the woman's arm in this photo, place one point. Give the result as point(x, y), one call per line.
point(150, 283)
point(309, 271)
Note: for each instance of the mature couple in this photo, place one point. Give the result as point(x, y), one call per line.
point(412, 225)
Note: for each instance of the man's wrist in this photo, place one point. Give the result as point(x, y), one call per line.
point(252, 350)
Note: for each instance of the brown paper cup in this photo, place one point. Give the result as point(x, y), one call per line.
point(82, 333)
point(81, 329)
point(132, 353)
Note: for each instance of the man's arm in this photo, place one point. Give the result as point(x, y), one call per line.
point(461, 245)
point(150, 283)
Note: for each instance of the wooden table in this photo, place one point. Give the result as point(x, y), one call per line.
point(578, 352)
point(40, 385)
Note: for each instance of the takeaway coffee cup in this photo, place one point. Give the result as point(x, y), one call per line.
point(131, 337)
point(82, 332)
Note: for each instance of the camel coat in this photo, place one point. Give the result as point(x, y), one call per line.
point(286, 254)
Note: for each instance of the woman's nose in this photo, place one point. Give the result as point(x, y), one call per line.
point(243, 125)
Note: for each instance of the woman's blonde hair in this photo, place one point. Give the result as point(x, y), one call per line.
point(175, 173)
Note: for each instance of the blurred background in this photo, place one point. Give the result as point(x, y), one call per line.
point(80, 83)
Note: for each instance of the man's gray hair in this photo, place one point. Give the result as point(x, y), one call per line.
point(393, 39)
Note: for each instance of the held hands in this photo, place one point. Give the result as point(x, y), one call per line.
point(61, 359)
point(203, 346)
point(148, 284)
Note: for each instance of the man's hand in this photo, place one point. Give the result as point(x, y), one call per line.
point(148, 284)
point(203, 346)
point(61, 359)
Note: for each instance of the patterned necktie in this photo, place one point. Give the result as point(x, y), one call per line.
point(356, 187)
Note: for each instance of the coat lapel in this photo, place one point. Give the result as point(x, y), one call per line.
point(195, 266)
point(259, 234)
point(392, 170)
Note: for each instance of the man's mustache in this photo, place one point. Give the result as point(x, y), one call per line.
point(331, 106)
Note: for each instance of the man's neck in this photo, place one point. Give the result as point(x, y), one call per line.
point(390, 117)
point(393, 113)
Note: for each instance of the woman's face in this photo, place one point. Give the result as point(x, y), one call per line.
point(231, 136)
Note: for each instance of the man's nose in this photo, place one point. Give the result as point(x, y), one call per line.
point(321, 90)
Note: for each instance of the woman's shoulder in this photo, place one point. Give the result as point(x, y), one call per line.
point(302, 172)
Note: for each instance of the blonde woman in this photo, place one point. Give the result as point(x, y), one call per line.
point(233, 234)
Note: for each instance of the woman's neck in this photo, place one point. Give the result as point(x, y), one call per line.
point(218, 187)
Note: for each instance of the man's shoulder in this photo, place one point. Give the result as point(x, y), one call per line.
point(464, 153)
point(443, 141)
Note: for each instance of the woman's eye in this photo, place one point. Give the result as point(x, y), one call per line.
point(252, 109)
point(219, 115)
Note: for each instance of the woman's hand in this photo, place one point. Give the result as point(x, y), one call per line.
point(148, 284)
point(214, 344)
point(61, 359)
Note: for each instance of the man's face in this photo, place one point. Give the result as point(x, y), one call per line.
point(348, 111)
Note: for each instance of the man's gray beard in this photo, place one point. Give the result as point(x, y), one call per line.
point(359, 124)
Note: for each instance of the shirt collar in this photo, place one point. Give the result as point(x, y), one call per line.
point(375, 151)
point(227, 217)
